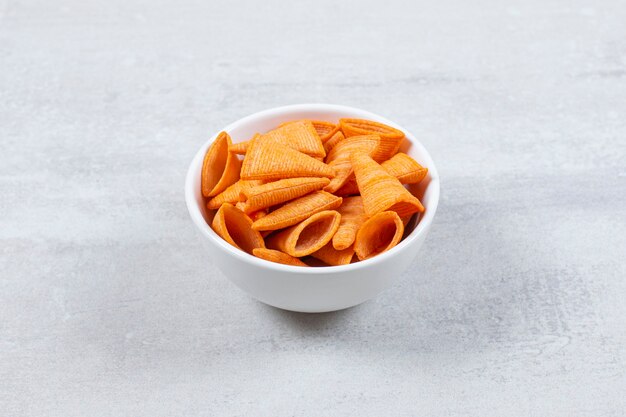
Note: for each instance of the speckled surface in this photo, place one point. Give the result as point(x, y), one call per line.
point(515, 307)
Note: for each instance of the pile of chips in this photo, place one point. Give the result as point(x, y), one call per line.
point(312, 189)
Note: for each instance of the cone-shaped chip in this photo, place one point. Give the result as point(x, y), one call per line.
point(297, 210)
point(277, 192)
point(405, 168)
point(308, 236)
point(352, 217)
point(235, 227)
point(380, 190)
point(267, 160)
point(391, 138)
point(378, 234)
point(299, 135)
point(220, 168)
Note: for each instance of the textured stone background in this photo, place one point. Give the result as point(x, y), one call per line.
point(109, 306)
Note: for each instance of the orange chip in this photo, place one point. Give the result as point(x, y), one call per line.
point(405, 168)
point(378, 234)
point(235, 227)
point(355, 127)
point(352, 217)
point(333, 141)
point(277, 256)
point(265, 160)
point(297, 210)
point(343, 149)
point(308, 236)
point(325, 130)
point(220, 168)
point(380, 190)
point(391, 138)
point(386, 149)
point(332, 256)
point(231, 194)
point(287, 192)
point(401, 166)
point(299, 135)
point(277, 192)
point(339, 158)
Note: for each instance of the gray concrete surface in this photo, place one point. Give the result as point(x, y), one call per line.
point(109, 307)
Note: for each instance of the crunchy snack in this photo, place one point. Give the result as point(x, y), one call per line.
point(299, 135)
point(277, 192)
point(308, 236)
point(401, 166)
point(352, 217)
point(298, 210)
point(268, 160)
point(378, 234)
point(380, 190)
point(235, 227)
point(405, 168)
point(325, 130)
point(331, 191)
point(391, 138)
point(220, 168)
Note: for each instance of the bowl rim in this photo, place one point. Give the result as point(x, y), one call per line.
point(422, 226)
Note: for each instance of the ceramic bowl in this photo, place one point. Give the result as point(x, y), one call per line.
point(315, 289)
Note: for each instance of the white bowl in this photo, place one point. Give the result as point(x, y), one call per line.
point(316, 289)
